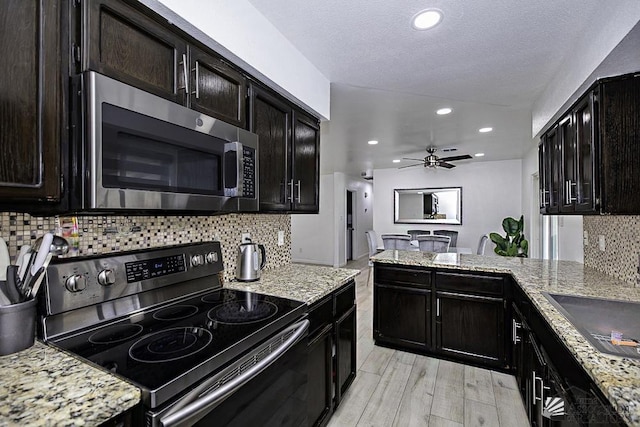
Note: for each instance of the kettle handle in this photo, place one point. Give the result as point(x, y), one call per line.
point(264, 256)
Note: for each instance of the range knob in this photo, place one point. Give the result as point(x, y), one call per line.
point(107, 277)
point(212, 257)
point(197, 260)
point(75, 283)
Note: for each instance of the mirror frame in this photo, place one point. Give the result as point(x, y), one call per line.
point(396, 207)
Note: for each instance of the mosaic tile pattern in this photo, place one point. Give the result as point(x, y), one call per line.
point(617, 377)
point(622, 246)
point(105, 234)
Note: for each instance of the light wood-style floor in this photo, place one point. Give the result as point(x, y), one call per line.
point(395, 388)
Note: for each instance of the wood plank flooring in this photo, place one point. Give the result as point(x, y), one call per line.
point(395, 388)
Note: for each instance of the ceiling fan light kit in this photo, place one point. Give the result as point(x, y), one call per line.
point(433, 161)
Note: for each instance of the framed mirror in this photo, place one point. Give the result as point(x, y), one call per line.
point(428, 206)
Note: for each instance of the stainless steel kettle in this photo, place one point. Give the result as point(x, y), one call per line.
point(248, 266)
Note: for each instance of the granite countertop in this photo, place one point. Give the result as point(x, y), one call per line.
point(308, 283)
point(43, 386)
point(617, 377)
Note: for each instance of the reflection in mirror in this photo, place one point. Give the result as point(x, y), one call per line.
point(428, 206)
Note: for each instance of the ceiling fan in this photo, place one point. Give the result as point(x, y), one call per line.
point(433, 161)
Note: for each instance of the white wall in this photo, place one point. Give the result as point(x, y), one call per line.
point(321, 238)
point(491, 191)
point(236, 30)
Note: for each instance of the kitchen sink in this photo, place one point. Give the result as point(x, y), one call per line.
point(596, 318)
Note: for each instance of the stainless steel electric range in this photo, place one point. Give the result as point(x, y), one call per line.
point(161, 320)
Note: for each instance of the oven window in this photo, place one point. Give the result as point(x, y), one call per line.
point(143, 153)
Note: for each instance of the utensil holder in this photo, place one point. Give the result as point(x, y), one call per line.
point(17, 326)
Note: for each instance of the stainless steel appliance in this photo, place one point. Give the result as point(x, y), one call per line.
point(143, 152)
point(161, 320)
point(248, 265)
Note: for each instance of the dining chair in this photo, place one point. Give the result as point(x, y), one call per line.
point(397, 241)
point(483, 243)
point(416, 233)
point(434, 243)
point(372, 241)
point(452, 234)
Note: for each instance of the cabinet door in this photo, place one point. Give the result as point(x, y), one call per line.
point(217, 89)
point(569, 164)
point(401, 316)
point(305, 163)
point(585, 135)
point(543, 176)
point(345, 330)
point(31, 96)
point(319, 377)
point(270, 119)
point(519, 337)
point(470, 327)
point(552, 163)
point(123, 43)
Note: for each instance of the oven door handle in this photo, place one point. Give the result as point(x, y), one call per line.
point(193, 406)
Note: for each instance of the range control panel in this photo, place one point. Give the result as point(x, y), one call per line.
point(83, 281)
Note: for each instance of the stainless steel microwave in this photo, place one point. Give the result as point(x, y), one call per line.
point(141, 152)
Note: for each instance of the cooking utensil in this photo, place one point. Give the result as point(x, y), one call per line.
point(5, 261)
point(24, 250)
point(22, 269)
point(248, 267)
point(39, 277)
point(12, 288)
point(4, 299)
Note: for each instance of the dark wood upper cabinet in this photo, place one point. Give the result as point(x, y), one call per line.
point(305, 163)
point(270, 119)
point(217, 89)
point(289, 153)
point(31, 100)
point(593, 167)
point(121, 42)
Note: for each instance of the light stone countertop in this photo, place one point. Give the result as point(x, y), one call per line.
point(43, 386)
point(301, 282)
point(617, 377)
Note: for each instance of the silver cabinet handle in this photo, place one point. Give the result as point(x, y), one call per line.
point(185, 74)
point(298, 194)
point(570, 186)
point(437, 307)
point(196, 404)
point(197, 80)
point(290, 198)
point(537, 378)
point(515, 326)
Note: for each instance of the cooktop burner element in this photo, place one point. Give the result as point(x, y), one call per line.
point(175, 312)
point(170, 344)
point(115, 334)
point(242, 312)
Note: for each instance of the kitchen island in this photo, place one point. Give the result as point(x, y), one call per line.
point(617, 378)
point(43, 386)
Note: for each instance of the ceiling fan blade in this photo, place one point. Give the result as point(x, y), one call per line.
point(410, 166)
point(417, 160)
point(446, 165)
point(454, 158)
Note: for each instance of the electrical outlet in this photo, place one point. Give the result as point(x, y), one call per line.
point(246, 238)
point(280, 238)
point(585, 238)
point(601, 243)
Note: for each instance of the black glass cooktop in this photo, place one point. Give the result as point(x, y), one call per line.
point(153, 349)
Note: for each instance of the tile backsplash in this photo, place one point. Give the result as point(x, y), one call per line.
point(104, 234)
point(622, 245)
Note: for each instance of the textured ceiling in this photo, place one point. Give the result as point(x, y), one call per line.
point(488, 59)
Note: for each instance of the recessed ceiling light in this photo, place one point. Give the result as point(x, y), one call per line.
point(372, 142)
point(396, 160)
point(479, 154)
point(426, 19)
point(485, 130)
point(443, 111)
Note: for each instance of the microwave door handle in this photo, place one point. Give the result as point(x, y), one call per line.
point(192, 410)
point(234, 189)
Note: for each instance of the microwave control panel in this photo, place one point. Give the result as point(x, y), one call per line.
point(249, 172)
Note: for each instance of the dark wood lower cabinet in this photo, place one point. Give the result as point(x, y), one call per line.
point(331, 366)
point(470, 327)
point(402, 316)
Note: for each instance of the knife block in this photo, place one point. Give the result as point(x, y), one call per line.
point(17, 326)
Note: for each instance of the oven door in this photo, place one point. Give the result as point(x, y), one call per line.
point(146, 153)
point(266, 387)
